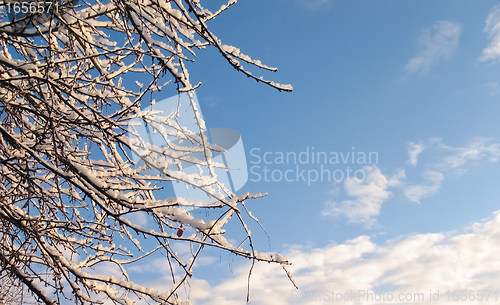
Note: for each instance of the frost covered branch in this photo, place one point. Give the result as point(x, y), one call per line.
point(69, 106)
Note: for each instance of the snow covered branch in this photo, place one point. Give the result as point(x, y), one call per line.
point(69, 104)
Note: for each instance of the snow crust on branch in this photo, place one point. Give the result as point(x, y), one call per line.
point(69, 182)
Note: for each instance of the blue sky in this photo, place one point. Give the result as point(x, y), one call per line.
point(375, 76)
point(416, 82)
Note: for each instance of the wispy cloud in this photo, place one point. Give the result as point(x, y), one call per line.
point(455, 161)
point(493, 88)
point(408, 264)
point(416, 192)
point(492, 28)
point(477, 149)
point(413, 151)
point(437, 43)
point(368, 196)
point(365, 197)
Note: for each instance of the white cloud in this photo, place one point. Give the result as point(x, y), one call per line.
point(408, 264)
point(454, 162)
point(493, 88)
point(492, 28)
point(416, 192)
point(437, 43)
point(413, 151)
point(476, 150)
point(369, 194)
